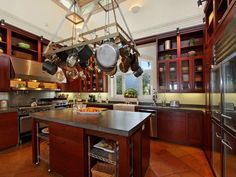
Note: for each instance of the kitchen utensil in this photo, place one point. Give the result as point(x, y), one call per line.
point(174, 103)
point(107, 55)
point(49, 67)
point(139, 72)
point(123, 67)
point(112, 72)
point(71, 60)
point(167, 44)
point(72, 74)
point(3, 103)
point(84, 54)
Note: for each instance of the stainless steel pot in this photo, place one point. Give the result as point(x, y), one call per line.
point(107, 56)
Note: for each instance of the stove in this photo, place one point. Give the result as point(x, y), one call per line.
point(25, 121)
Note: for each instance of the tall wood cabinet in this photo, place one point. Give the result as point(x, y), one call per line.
point(180, 60)
point(8, 130)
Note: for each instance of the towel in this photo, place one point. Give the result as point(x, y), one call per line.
point(124, 107)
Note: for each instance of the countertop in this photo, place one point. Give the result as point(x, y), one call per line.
point(151, 106)
point(7, 110)
point(121, 123)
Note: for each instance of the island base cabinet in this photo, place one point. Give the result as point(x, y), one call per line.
point(67, 150)
point(8, 130)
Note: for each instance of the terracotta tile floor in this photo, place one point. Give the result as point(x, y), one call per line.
point(167, 160)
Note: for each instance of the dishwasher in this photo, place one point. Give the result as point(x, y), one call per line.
point(153, 121)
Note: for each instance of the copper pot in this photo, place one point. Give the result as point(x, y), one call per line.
point(113, 72)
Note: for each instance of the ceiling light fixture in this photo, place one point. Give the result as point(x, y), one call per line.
point(135, 8)
point(199, 3)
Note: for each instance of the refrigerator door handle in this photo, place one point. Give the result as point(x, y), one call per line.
point(227, 117)
point(218, 136)
point(226, 144)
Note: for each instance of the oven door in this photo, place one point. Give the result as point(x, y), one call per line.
point(25, 124)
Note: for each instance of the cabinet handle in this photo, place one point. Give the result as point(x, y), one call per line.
point(218, 136)
point(226, 144)
point(227, 117)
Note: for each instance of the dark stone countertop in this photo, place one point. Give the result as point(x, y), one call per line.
point(151, 106)
point(7, 110)
point(121, 123)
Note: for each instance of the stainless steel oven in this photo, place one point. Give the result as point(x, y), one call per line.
point(25, 121)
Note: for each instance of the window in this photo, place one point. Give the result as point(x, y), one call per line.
point(142, 84)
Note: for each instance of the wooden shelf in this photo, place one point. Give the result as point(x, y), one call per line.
point(24, 50)
point(168, 50)
point(195, 46)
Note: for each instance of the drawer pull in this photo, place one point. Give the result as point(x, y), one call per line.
point(227, 117)
point(218, 136)
point(226, 144)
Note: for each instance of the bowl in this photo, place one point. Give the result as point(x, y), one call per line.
point(192, 53)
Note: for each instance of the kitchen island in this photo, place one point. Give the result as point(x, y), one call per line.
point(72, 137)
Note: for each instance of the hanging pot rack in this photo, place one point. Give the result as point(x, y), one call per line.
point(93, 38)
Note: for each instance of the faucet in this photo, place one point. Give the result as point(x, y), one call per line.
point(154, 96)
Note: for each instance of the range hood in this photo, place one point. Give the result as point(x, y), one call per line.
point(32, 70)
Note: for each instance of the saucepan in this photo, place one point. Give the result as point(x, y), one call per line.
point(49, 67)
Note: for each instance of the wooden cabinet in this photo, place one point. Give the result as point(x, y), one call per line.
point(180, 61)
point(172, 126)
point(8, 130)
point(184, 127)
point(5, 73)
point(195, 128)
point(67, 150)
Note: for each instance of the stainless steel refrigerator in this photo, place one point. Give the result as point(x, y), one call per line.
point(223, 113)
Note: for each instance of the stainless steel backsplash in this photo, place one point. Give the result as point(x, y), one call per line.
point(22, 98)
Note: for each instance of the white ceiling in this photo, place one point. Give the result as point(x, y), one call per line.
point(42, 17)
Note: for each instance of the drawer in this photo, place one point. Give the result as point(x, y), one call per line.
point(67, 132)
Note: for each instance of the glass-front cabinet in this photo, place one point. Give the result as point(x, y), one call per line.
point(162, 76)
point(173, 76)
point(185, 75)
point(198, 74)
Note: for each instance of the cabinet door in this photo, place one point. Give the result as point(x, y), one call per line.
point(185, 75)
point(173, 84)
point(195, 123)
point(162, 77)
point(145, 147)
point(8, 130)
point(229, 155)
point(198, 76)
point(67, 150)
point(216, 149)
point(4, 73)
point(65, 157)
point(172, 126)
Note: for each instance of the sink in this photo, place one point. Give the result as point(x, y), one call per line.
point(124, 107)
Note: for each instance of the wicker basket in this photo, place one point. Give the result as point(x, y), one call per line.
point(103, 170)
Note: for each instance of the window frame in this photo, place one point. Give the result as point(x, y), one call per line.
point(142, 97)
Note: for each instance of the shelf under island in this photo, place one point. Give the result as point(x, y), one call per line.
point(74, 141)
